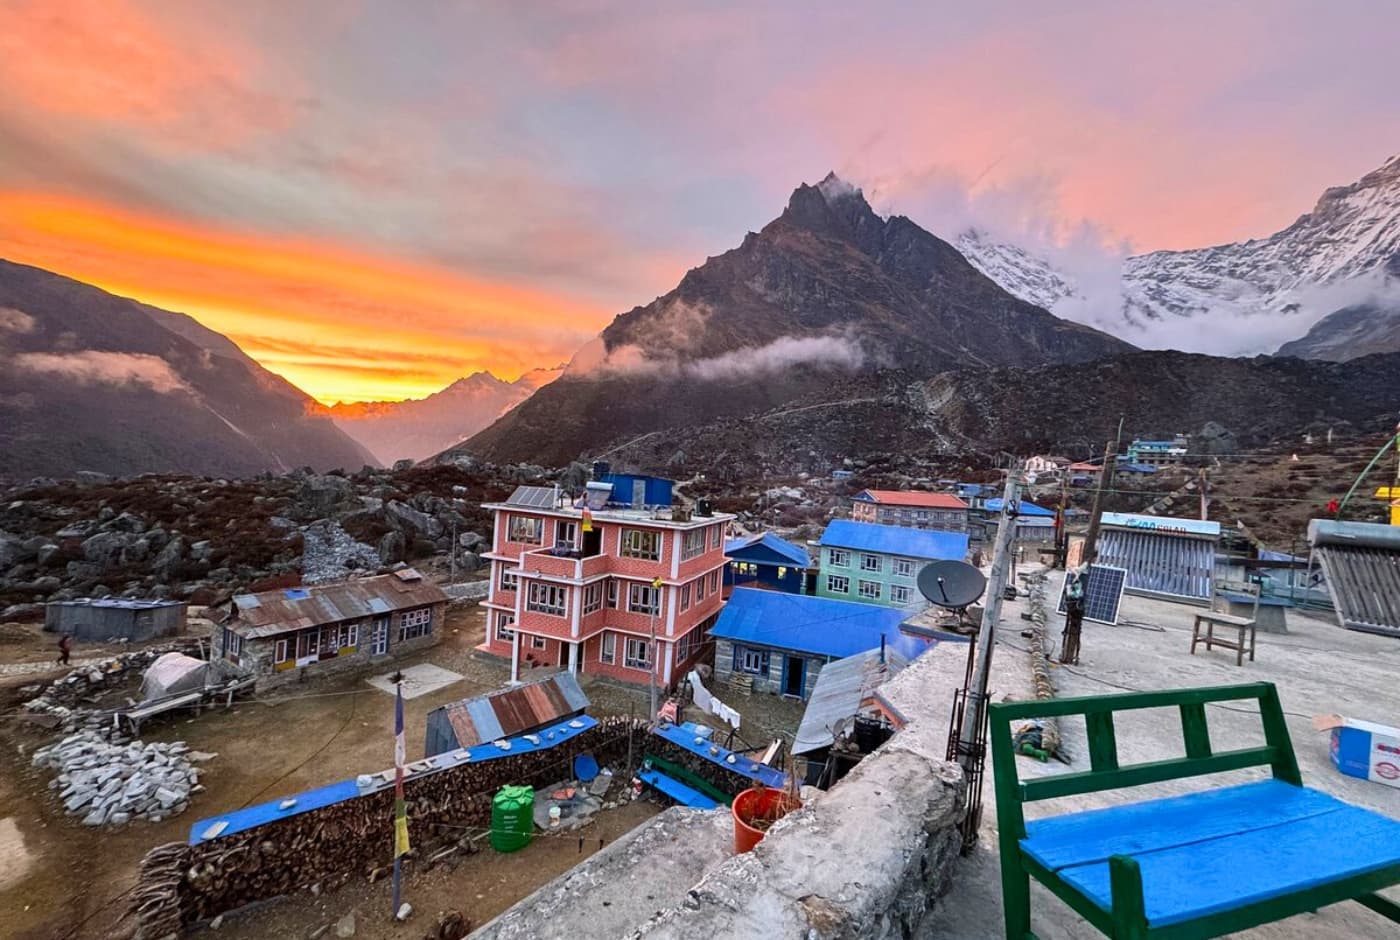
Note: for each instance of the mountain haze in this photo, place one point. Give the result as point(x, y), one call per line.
point(826, 292)
point(419, 428)
point(93, 381)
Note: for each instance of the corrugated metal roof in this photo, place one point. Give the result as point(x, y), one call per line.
point(1024, 507)
point(793, 553)
point(895, 540)
point(281, 610)
point(122, 603)
point(836, 698)
point(821, 626)
point(509, 712)
point(911, 498)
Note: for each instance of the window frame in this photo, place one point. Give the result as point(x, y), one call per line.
point(653, 609)
point(861, 585)
point(607, 648)
point(716, 536)
point(592, 597)
point(571, 543)
point(846, 582)
point(907, 564)
point(548, 607)
point(610, 594)
point(631, 544)
point(838, 557)
point(517, 523)
point(634, 662)
point(762, 661)
point(690, 546)
point(538, 642)
point(685, 597)
point(505, 627)
point(874, 564)
point(415, 623)
point(896, 589)
point(699, 589)
point(510, 578)
point(281, 650)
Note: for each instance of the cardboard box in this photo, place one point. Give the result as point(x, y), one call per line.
point(1363, 749)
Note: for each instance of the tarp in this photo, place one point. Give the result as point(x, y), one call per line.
point(172, 674)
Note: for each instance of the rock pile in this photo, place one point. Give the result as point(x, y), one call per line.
point(111, 783)
point(63, 698)
point(329, 553)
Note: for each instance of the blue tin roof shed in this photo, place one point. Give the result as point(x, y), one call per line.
point(1024, 507)
point(820, 626)
point(927, 544)
point(767, 549)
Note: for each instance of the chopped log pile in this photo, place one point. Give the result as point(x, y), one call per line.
point(182, 885)
point(1040, 647)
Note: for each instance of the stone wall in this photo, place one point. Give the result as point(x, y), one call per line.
point(772, 683)
point(181, 885)
point(869, 858)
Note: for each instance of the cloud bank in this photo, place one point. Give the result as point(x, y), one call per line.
point(95, 367)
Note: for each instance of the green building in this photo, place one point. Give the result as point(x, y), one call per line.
point(880, 564)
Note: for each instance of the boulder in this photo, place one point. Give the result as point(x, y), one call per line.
point(392, 547)
point(410, 521)
point(128, 522)
point(163, 566)
point(49, 554)
point(471, 540)
point(106, 549)
point(323, 495)
point(16, 613)
point(405, 464)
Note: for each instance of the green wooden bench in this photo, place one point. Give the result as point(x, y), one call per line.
point(695, 781)
point(1184, 867)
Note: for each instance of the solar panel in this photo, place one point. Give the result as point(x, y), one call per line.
point(535, 497)
point(1102, 595)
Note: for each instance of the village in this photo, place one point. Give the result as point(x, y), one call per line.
point(501, 702)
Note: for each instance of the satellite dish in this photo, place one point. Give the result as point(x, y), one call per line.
point(951, 584)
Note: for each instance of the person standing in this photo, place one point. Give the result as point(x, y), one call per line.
point(65, 648)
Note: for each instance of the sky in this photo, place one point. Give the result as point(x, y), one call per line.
point(376, 198)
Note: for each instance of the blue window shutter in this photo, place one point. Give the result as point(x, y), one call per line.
point(763, 663)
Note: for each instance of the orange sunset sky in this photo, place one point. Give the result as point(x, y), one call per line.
point(374, 199)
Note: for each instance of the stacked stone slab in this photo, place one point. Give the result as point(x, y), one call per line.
point(108, 782)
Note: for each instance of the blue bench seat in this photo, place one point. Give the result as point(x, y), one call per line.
point(685, 795)
point(1203, 853)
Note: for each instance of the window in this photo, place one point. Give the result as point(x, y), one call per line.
point(349, 635)
point(233, 644)
point(280, 651)
point(870, 562)
point(903, 568)
point(714, 581)
point(308, 643)
point(566, 535)
point(692, 544)
point(548, 599)
point(612, 593)
point(870, 590)
point(751, 661)
point(643, 599)
point(607, 653)
point(685, 597)
point(838, 584)
point(899, 594)
point(526, 529)
point(782, 572)
point(716, 536)
point(638, 654)
point(699, 590)
point(415, 623)
point(839, 558)
point(510, 578)
point(593, 597)
point(538, 643)
point(504, 624)
point(640, 543)
point(921, 514)
point(688, 645)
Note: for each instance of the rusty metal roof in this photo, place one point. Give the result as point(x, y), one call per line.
point(512, 712)
point(285, 609)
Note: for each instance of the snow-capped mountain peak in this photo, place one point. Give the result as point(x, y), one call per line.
point(1017, 271)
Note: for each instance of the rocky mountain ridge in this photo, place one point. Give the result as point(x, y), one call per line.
point(826, 292)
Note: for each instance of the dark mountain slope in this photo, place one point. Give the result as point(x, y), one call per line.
point(92, 381)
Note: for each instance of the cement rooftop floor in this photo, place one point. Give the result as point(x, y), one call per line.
point(1319, 669)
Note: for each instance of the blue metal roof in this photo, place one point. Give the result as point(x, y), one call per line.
point(795, 554)
point(744, 766)
point(1025, 508)
point(253, 816)
point(895, 540)
point(820, 626)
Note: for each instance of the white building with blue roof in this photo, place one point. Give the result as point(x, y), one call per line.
point(880, 564)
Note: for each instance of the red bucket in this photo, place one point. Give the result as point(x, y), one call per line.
point(755, 810)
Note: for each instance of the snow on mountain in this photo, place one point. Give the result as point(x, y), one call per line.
point(1254, 294)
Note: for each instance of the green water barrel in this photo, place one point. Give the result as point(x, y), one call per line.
point(512, 818)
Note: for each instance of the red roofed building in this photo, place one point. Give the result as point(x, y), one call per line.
point(914, 510)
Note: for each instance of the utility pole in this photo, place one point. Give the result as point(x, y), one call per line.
point(975, 707)
point(452, 555)
point(1110, 463)
point(651, 648)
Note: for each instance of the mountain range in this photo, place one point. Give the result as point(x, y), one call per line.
point(1333, 274)
point(827, 292)
point(93, 381)
point(418, 428)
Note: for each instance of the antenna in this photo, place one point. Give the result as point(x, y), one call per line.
point(953, 585)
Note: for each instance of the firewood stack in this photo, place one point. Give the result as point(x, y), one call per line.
point(181, 885)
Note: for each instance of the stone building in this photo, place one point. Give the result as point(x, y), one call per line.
point(328, 627)
point(910, 509)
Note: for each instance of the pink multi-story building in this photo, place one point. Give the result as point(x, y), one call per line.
point(613, 592)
